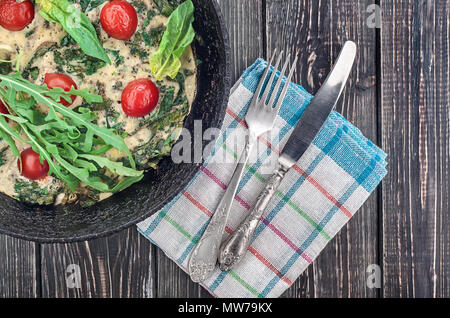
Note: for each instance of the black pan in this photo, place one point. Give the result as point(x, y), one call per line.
point(73, 223)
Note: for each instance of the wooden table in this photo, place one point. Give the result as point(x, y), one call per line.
point(398, 95)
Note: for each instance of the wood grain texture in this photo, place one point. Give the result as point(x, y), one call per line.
point(18, 268)
point(245, 25)
point(415, 133)
point(317, 31)
point(398, 95)
point(118, 266)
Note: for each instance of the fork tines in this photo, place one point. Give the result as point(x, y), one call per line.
point(276, 90)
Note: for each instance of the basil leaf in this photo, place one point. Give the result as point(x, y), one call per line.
point(178, 36)
point(76, 23)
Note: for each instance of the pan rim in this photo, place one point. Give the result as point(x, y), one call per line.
point(114, 230)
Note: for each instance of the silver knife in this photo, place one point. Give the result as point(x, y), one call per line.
point(309, 125)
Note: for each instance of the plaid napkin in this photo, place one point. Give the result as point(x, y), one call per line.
point(315, 200)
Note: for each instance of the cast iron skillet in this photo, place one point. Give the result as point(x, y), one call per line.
point(73, 223)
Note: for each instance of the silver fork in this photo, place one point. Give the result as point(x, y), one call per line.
point(260, 119)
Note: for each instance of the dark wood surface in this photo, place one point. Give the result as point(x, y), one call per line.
point(398, 95)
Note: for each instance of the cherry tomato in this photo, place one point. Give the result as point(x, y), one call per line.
point(119, 19)
point(61, 80)
point(3, 109)
point(32, 168)
point(15, 16)
point(140, 98)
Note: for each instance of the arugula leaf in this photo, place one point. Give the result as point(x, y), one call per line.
point(178, 36)
point(114, 166)
point(68, 140)
point(76, 23)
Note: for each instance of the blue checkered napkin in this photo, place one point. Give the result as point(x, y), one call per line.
point(315, 200)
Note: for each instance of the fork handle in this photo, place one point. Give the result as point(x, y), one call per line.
point(204, 256)
point(235, 247)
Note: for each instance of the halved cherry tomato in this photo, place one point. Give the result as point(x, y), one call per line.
point(15, 16)
point(119, 19)
point(140, 97)
point(3, 109)
point(61, 80)
point(32, 168)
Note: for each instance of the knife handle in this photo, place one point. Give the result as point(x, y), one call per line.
point(204, 256)
point(235, 247)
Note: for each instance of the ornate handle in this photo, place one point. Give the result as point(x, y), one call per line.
point(204, 256)
point(233, 249)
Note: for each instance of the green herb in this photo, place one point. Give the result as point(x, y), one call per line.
point(30, 33)
point(41, 51)
point(2, 155)
point(105, 104)
point(140, 6)
point(31, 192)
point(68, 140)
point(67, 40)
point(5, 68)
point(166, 7)
point(153, 36)
point(117, 86)
point(150, 15)
point(188, 73)
point(167, 101)
point(118, 59)
point(76, 23)
point(181, 98)
point(74, 61)
point(89, 5)
point(140, 52)
point(149, 154)
point(34, 72)
point(111, 120)
point(177, 37)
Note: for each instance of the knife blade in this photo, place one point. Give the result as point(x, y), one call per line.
point(309, 125)
point(319, 109)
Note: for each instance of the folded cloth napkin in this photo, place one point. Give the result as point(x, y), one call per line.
point(315, 200)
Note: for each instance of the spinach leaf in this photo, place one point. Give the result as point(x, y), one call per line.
point(76, 23)
point(74, 61)
point(178, 36)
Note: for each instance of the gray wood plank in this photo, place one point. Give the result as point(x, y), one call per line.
point(117, 266)
point(317, 30)
point(415, 132)
point(244, 22)
point(18, 268)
